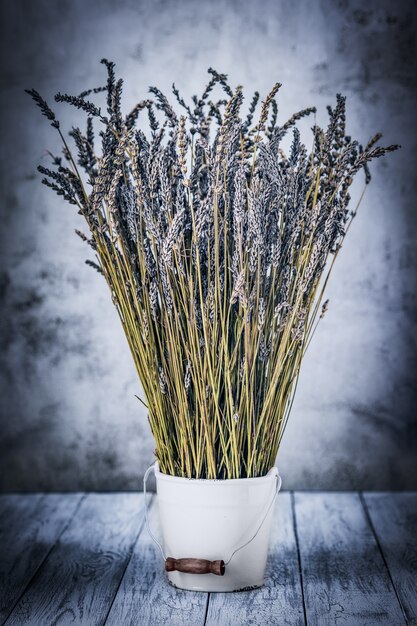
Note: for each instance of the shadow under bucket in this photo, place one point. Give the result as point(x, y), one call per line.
point(219, 528)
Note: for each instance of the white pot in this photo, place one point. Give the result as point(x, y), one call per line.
point(210, 519)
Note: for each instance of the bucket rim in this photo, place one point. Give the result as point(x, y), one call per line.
point(273, 473)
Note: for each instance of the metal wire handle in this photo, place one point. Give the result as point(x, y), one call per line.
point(145, 480)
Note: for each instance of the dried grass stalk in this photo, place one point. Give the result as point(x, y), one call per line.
point(217, 248)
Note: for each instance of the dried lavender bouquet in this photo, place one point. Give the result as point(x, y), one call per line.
point(217, 248)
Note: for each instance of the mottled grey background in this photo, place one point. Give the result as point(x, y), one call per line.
point(68, 412)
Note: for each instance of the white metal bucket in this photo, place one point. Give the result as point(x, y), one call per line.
point(217, 519)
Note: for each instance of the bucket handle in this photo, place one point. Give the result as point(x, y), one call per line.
point(200, 566)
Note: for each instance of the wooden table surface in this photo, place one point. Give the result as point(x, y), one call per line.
point(335, 558)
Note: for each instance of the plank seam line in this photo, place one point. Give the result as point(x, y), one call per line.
point(207, 608)
point(47, 555)
point(129, 558)
point(297, 543)
point(378, 543)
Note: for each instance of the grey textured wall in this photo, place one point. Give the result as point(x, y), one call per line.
point(68, 412)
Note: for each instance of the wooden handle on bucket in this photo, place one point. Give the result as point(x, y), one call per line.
point(195, 566)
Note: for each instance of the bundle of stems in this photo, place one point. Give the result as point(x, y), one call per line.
point(217, 247)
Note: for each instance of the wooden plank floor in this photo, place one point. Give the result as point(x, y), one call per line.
point(335, 558)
